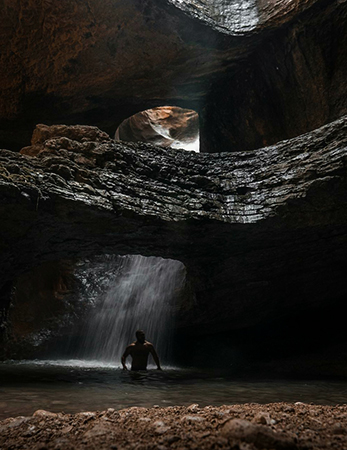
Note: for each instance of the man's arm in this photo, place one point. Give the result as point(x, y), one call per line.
point(125, 354)
point(155, 356)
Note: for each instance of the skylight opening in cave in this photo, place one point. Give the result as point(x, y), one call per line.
point(167, 126)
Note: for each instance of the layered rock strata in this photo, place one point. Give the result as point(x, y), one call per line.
point(166, 126)
point(261, 233)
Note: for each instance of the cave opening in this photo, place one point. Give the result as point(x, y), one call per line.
point(123, 294)
point(90, 310)
point(167, 126)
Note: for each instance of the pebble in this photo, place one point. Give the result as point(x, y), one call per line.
point(193, 419)
point(259, 435)
point(262, 418)
point(43, 413)
point(14, 423)
point(172, 439)
point(193, 408)
point(159, 423)
point(86, 414)
point(97, 430)
point(288, 409)
point(338, 429)
point(205, 434)
point(221, 441)
point(162, 430)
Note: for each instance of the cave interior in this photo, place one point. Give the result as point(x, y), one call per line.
point(258, 217)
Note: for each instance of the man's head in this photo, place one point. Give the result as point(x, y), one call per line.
point(140, 336)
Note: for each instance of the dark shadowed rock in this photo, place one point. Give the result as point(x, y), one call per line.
point(41, 307)
point(262, 233)
point(242, 16)
point(255, 71)
point(259, 435)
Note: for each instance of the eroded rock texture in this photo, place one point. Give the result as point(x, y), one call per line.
point(241, 16)
point(262, 233)
point(257, 71)
point(167, 126)
point(41, 308)
point(293, 83)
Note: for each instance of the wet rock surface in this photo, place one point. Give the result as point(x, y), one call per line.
point(256, 71)
point(283, 89)
point(42, 307)
point(248, 226)
point(291, 426)
point(165, 126)
point(241, 17)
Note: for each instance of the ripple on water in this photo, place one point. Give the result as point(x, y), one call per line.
point(73, 386)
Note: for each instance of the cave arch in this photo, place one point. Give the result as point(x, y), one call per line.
point(79, 308)
point(168, 126)
point(247, 226)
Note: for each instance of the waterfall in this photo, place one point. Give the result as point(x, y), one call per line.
point(133, 292)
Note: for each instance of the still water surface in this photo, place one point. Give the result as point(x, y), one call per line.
point(74, 386)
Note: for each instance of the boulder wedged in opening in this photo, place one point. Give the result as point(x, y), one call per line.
point(167, 126)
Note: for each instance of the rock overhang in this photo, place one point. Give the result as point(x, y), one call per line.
point(241, 17)
point(244, 224)
point(100, 63)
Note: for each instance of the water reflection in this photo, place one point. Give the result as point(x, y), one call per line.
point(60, 386)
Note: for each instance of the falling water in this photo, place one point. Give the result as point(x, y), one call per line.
point(138, 293)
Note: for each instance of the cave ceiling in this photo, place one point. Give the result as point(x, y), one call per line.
point(89, 62)
point(261, 231)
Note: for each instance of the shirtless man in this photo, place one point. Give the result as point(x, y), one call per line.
point(139, 352)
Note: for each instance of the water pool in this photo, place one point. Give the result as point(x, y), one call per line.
point(72, 386)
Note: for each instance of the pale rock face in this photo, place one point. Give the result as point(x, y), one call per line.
point(237, 17)
point(168, 126)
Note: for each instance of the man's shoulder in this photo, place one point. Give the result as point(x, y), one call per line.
point(148, 344)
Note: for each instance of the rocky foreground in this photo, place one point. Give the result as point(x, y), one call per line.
point(243, 427)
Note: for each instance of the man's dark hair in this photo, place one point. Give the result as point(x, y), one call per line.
point(139, 333)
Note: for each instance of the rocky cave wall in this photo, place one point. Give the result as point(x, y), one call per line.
point(263, 232)
point(293, 83)
point(41, 309)
point(256, 71)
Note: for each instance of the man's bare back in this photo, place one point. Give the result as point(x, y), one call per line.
point(139, 351)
